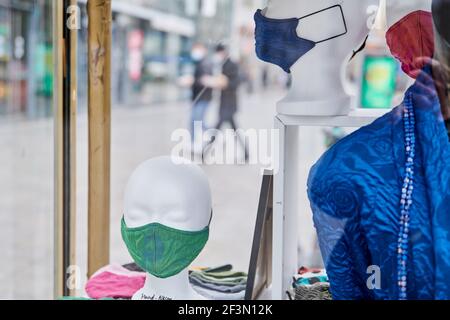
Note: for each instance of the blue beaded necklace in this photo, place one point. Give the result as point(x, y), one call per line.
point(406, 198)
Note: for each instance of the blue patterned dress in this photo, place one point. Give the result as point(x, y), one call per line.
point(355, 191)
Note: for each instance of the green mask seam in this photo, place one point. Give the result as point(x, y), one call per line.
point(124, 225)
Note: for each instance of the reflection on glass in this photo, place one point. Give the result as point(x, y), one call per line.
point(26, 141)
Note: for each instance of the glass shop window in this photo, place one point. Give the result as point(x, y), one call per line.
point(27, 148)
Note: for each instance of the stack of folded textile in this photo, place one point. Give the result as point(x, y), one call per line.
point(115, 281)
point(122, 282)
point(310, 284)
point(220, 283)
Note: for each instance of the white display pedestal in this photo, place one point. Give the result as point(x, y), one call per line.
point(286, 186)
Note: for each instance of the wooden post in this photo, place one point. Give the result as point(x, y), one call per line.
point(99, 115)
point(58, 46)
point(65, 113)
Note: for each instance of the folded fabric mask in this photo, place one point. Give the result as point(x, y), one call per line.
point(163, 251)
point(411, 38)
point(277, 41)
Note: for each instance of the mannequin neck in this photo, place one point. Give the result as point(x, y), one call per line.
point(441, 75)
point(316, 87)
point(173, 288)
point(444, 99)
point(324, 82)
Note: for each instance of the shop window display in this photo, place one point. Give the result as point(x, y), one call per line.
point(150, 196)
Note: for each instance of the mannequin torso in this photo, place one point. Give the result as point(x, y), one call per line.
point(359, 181)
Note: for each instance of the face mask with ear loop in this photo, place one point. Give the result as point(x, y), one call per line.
point(163, 251)
point(412, 38)
point(277, 41)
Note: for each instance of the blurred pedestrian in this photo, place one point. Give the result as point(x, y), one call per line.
point(201, 94)
point(228, 83)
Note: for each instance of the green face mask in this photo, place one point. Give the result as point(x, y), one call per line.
point(162, 251)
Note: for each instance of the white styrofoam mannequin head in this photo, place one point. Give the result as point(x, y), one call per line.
point(397, 9)
point(317, 78)
point(174, 195)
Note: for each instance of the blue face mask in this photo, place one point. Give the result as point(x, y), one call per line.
point(277, 41)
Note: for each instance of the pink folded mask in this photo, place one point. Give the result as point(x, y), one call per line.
point(412, 38)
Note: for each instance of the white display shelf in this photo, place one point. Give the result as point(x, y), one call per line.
point(356, 118)
point(286, 186)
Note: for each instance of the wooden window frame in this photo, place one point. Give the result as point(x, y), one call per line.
point(99, 135)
